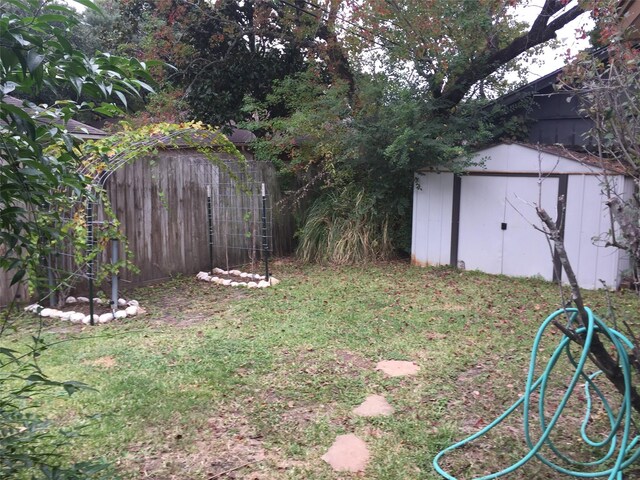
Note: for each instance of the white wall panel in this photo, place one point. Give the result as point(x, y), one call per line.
point(482, 210)
point(587, 222)
point(526, 251)
point(432, 211)
point(519, 158)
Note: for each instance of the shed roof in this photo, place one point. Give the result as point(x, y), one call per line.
point(516, 157)
point(581, 157)
point(75, 128)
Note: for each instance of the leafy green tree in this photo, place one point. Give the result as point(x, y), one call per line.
point(38, 154)
point(452, 46)
point(608, 87)
point(218, 52)
point(369, 132)
point(38, 165)
point(330, 154)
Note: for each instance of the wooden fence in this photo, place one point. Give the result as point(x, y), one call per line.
point(161, 204)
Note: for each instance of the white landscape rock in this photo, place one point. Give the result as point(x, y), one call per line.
point(214, 279)
point(120, 314)
point(226, 283)
point(122, 302)
point(252, 285)
point(83, 299)
point(133, 303)
point(76, 317)
point(234, 284)
point(98, 301)
point(46, 312)
point(131, 310)
point(35, 308)
point(87, 319)
point(70, 300)
point(235, 272)
point(242, 284)
point(67, 315)
point(56, 314)
point(244, 274)
point(105, 317)
point(273, 281)
point(263, 284)
point(217, 270)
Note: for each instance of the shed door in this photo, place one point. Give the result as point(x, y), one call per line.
point(496, 233)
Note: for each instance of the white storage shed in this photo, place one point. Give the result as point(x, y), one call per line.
point(483, 220)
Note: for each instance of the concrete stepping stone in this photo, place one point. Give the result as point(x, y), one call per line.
point(397, 368)
point(373, 406)
point(347, 454)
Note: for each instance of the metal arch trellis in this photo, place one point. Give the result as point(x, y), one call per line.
point(100, 166)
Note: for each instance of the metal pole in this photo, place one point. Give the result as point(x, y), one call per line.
point(90, 253)
point(210, 225)
point(50, 282)
point(265, 240)
point(115, 244)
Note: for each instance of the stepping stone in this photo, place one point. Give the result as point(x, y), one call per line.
point(373, 406)
point(347, 454)
point(397, 368)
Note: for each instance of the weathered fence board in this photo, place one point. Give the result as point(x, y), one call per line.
point(162, 207)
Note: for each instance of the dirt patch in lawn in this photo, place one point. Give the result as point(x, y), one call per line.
point(304, 415)
point(226, 446)
point(104, 362)
point(191, 306)
point(352, 363)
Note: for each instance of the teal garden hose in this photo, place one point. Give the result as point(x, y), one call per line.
point(619, 448)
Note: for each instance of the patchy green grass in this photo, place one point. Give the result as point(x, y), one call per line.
point(221, 383)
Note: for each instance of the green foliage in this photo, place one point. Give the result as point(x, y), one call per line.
point(374, 148)
point(39, 158)
point(32, 447)
point(343, 227)
point(39, 163)
point(218, 51)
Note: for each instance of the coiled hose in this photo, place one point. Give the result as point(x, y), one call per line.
point(620, 444)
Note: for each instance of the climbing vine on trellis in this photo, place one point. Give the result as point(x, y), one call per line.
point(100, 159)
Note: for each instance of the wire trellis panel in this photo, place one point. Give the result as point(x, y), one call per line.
point(238, 215)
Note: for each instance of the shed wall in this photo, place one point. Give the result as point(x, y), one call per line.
point(432, 214)
point(586, 224)
point(586, 220)
point(515, 158)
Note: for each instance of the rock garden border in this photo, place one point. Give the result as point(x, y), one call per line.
point(124, 309)
point(237, 278)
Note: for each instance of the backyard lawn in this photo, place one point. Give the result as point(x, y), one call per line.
point(215, 382)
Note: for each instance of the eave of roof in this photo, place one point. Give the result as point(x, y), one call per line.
point(75, 128)
point(584, 158)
